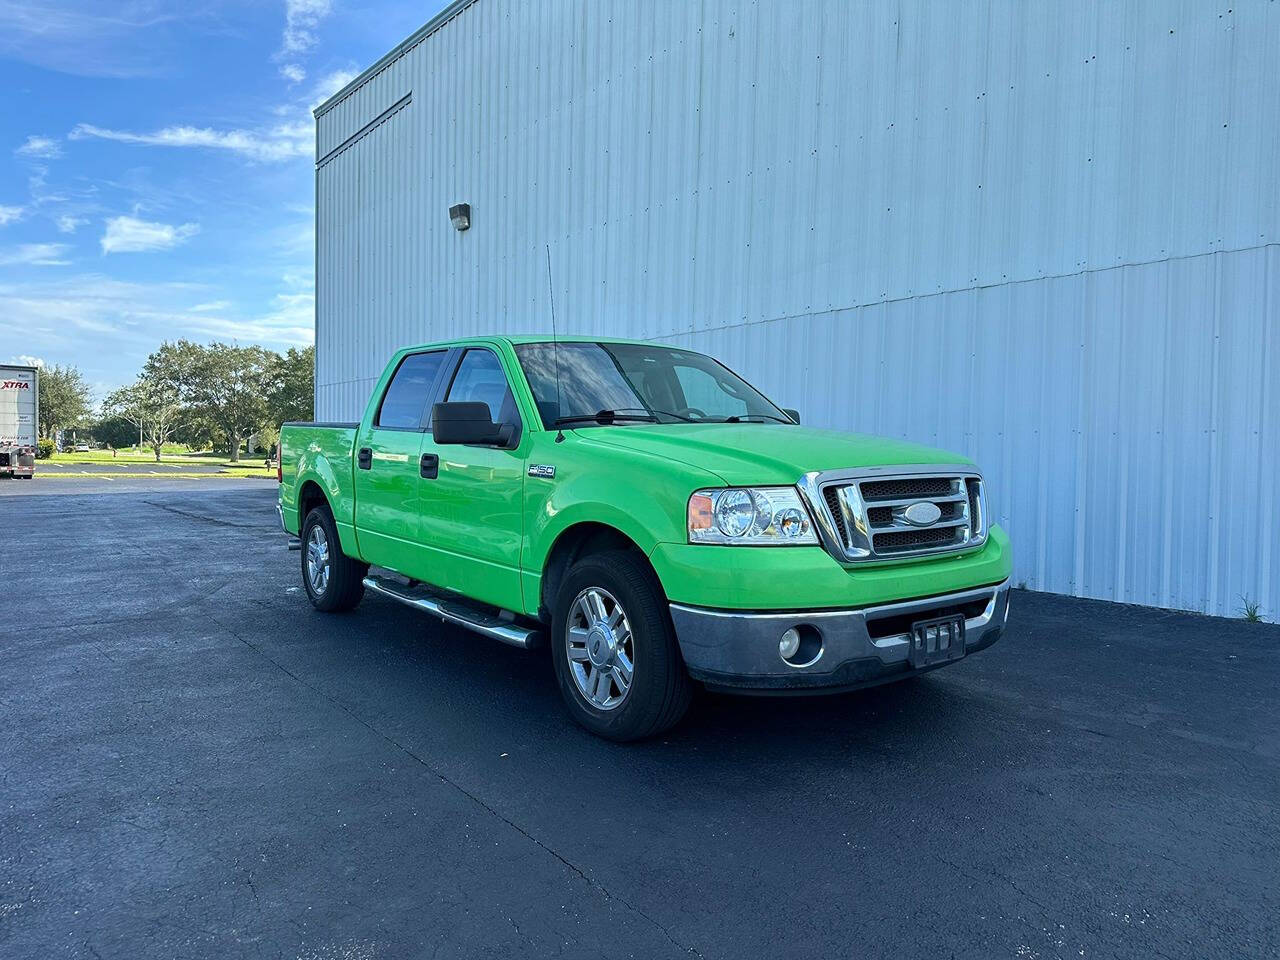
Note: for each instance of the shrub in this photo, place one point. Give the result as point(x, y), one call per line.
point(44, 448)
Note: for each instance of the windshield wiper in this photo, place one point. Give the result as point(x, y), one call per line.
point(747, 417)
point(629, 414)
point(605, 417)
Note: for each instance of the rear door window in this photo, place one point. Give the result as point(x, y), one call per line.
point(405, 402)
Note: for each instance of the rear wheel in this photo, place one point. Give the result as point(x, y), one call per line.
point(614, 650)
point(334, 582)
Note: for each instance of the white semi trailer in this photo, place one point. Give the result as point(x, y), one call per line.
point(19, 419)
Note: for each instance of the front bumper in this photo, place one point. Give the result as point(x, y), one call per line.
point(738, 650)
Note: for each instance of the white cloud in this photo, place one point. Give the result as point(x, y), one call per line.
point(10, 215)
point(293, 73)
point(34, 255)
point(118, 39)
point(131, 235)
point(43, 310)
point(331, 84)
point(43, 148)
point(69, 224)
point(291, 321)
point(301, 18)
point(280, 143)
point(26, 360)
point(97, 309)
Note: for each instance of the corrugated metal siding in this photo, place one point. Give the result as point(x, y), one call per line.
point(1040, 234)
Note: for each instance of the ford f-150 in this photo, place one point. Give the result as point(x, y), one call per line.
point(649, 518)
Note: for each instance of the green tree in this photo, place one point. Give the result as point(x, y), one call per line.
point(228, 385)
point(174, 366)
point(292, 386)
point(154, 403)
point(125, 405)
point(268, 436)
point(64, 399)
point(115, 431)
point(199, 432)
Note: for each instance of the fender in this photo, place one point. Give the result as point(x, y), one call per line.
point(314, 466)
point(639, 495)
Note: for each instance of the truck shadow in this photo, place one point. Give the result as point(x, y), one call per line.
point(480, 691)
point(891, 717)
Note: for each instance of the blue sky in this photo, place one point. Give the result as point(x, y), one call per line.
point(156, 169)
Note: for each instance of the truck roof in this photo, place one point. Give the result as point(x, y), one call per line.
point(518, 338)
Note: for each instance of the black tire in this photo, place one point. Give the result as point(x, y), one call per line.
point(660, 687)
point(343, 587)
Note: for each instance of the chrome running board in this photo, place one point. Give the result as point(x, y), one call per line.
point(454, 610)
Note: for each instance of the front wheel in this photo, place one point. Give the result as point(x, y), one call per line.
point(333, 581)
point(615, 654)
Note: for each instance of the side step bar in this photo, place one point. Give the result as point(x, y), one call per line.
point(453, 610)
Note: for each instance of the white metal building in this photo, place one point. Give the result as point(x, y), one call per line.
point(1041, 234)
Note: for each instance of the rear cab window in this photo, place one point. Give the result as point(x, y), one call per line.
point(404, 404)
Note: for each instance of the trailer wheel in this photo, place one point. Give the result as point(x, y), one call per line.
point(333, 581)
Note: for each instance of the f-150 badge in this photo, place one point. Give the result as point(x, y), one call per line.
point(543, 470)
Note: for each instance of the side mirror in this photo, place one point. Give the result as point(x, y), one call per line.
point(466, 422)
point(793, 414)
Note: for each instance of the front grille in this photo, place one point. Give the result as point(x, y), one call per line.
point(911, 539)
point(832, 495)
point(906, 487)
point(881, 518)
point(974, 487)
point(878, 516)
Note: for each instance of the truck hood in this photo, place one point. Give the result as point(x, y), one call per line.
point(764, 453)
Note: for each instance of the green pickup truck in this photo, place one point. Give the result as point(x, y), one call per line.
point(649, 517)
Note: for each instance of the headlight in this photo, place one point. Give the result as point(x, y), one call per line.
point(750, 516)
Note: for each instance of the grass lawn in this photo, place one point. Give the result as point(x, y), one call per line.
point(249, 465)
point(133, 455)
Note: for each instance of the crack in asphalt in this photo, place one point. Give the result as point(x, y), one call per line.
point(202, 517)
point(474, 798)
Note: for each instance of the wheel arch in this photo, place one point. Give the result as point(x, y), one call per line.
point(310, 496)
point(571, 544)
point(314, 490)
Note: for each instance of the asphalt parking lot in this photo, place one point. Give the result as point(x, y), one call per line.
point(196, 764)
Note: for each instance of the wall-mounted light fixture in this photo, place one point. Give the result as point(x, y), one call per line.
point(460, 216)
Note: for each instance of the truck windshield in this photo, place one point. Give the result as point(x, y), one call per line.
point(638, 383)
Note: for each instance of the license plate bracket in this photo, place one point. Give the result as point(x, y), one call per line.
point(937, 641)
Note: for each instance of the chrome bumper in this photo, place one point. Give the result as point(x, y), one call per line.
point(738, 650)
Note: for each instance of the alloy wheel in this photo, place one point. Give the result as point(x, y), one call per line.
point(600, 648)
point(318, 560)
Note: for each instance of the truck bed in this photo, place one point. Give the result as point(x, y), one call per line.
point(325, 450)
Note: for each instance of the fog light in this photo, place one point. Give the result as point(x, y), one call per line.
point(789, 645)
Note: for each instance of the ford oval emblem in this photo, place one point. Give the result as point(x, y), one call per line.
point(922, 514)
